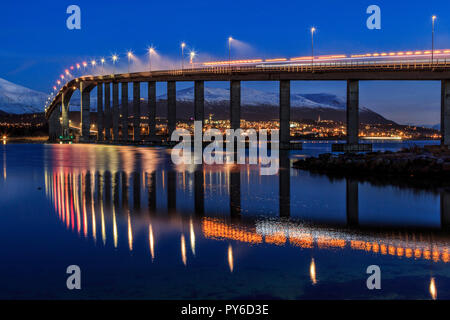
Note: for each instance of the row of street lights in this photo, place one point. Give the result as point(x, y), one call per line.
point(433, 20)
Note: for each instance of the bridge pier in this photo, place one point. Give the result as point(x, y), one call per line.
point(199, 101)
point(171, 108)
point(445, 113)
point(235, 104)
point(85, 112)
point(54, 125)
point(65, 100)
point(100, 112)
point(285, 114)
point(108, 114)
point(151, 110)
point(115, 113)
point(136, 111)
point(352, 144)
point(124, 118)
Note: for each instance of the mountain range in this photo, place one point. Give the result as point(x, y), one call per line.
point(257, 105)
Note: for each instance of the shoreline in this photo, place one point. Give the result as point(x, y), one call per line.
point(430, 165)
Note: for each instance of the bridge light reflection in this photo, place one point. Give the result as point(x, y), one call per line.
point(230, 258)
point(312, 271)
point(432, 288)
point(192, 236)
point(151, 241)
point(183, 249)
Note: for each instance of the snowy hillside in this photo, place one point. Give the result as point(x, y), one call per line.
point(18, 99)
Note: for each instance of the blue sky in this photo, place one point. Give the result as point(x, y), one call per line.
point(36, 45)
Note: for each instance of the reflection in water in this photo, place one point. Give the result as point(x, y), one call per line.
point(130, 233)
point(192, 236)
point(151, 241)
point(433, 291)
point(312, 271)
point(120, 200)
point(230, 258)
point(183, 249)
point(409, 244)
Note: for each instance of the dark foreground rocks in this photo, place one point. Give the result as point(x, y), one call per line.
point(421, 163)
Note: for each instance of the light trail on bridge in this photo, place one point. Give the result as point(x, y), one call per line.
point(421, 56)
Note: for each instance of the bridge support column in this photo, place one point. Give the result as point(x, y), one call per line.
point(353, 144)
point(108, 114)
point(199, 101)
point(100, 120)
point(445, 113)
point(54, 125)
point(65, 116)
point(285, 114)
point(85, 112)
point(115, 113)
point(151, 110)
point(136, 111)
point(352, 202)
point(235, 104)
point(125, 111)
point(171, 108)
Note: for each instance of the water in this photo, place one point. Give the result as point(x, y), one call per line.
point(140, 227)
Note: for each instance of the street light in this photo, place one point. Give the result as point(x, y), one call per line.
point(102, 60)
point(114, 58)
point(433, 19)
point(129, 55)
point(229, 50)
point(182, 55)
point(312, 47)
point(192, 56)
point(151, 51)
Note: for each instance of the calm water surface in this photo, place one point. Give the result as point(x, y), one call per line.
point(140, 227)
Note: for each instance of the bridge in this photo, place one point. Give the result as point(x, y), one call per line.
point(405, 66)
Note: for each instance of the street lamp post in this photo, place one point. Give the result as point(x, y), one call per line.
point(114, 59)
point(433, 19)
point(129, 54)
point(192, 56)
point(182, 55)
point(150, 52)
point(312, 47)
point(229, 51)
point(102, 60)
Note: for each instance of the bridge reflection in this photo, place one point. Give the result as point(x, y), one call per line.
point(93, 202)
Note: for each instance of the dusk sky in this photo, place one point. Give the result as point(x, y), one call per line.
point(36, 46)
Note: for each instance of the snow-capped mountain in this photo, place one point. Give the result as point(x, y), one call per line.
point(18, 99)
point(252, 97)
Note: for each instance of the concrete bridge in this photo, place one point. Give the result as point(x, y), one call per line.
point(110, 118)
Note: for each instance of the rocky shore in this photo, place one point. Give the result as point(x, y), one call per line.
point(431, 162)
